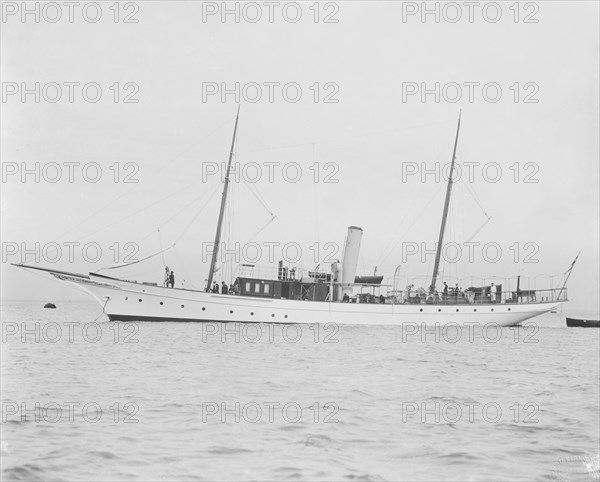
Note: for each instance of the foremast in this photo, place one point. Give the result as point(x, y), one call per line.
point(215, 252)
point(438, 252)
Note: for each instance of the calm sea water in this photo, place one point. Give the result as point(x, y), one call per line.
point(86, 399)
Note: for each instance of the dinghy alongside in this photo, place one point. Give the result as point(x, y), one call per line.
point(578, 323)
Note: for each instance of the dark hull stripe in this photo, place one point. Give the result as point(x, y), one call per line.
point(161, 319)
point(574, 322)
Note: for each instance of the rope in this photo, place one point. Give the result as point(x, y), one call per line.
point(258, 197)
point(168, 220)
point(161, 248)
point(388, 252)
point(163, 166)
point(171, 246)
point(479, 229)
point(138, 211)
point(354, 136)
point(103, 310)
point(261, 229)
point(472, 193)
point(184, 281)
point(197, 214)
point(137, 260)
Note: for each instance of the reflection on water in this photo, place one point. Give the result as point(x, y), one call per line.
point(190, 401)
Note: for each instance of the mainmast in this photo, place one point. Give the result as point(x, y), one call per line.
point(215, 252)
point(445, 215)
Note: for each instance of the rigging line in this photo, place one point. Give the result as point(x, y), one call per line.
point(142, 274)
point(168, 220)
point(139, 210)
point(261, 229)
point(256, 194)
point(354, 136)
point(134, 213)
point(181, 268)
point(258, 197)
point(227, 273)
point(161, 248)
point(155, 171)
point(103, 310)
point(408, 210)
point(477, 231)
point(315, 198)
point(487, 216)
point(407, 230)
point(197, 214)
point(223, 260)
point(475, 197)
point(129, 263)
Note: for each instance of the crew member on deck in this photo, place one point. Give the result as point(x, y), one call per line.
point(346, 298)
point(215, 288)
point(172, 279)
point(445, 289)
point(223, 288)
point(166, 280)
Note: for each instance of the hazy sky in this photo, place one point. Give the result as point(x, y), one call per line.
point(538, 63)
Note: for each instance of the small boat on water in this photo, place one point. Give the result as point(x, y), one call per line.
point(49, 305)
point(576, 322)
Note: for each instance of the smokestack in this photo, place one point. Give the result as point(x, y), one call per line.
point(350, 259)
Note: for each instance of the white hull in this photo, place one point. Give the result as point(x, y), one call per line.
point(129, 301)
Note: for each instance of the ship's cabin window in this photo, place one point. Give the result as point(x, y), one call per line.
point(267, 288)
point(257, 287)
point(247, 286)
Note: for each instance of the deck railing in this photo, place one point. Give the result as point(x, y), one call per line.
point(480, 298)
point(471, 296)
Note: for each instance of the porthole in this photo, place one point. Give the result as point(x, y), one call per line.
point(457, 310)
point(127, 297)
point(421, 310)
point(252, 313)
point(439, 310)
point(285, 316)
point(231, 312)
point(203, 309)
point(475, 309)
point(140, 300)
point(161, 303)
point(492, 309)
point(183, 306)
point(509, 309)
point(272, 315)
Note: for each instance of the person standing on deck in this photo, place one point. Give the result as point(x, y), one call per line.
point(172, 279)
point(166, 280)
point(223, 288)
point(493, 293)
